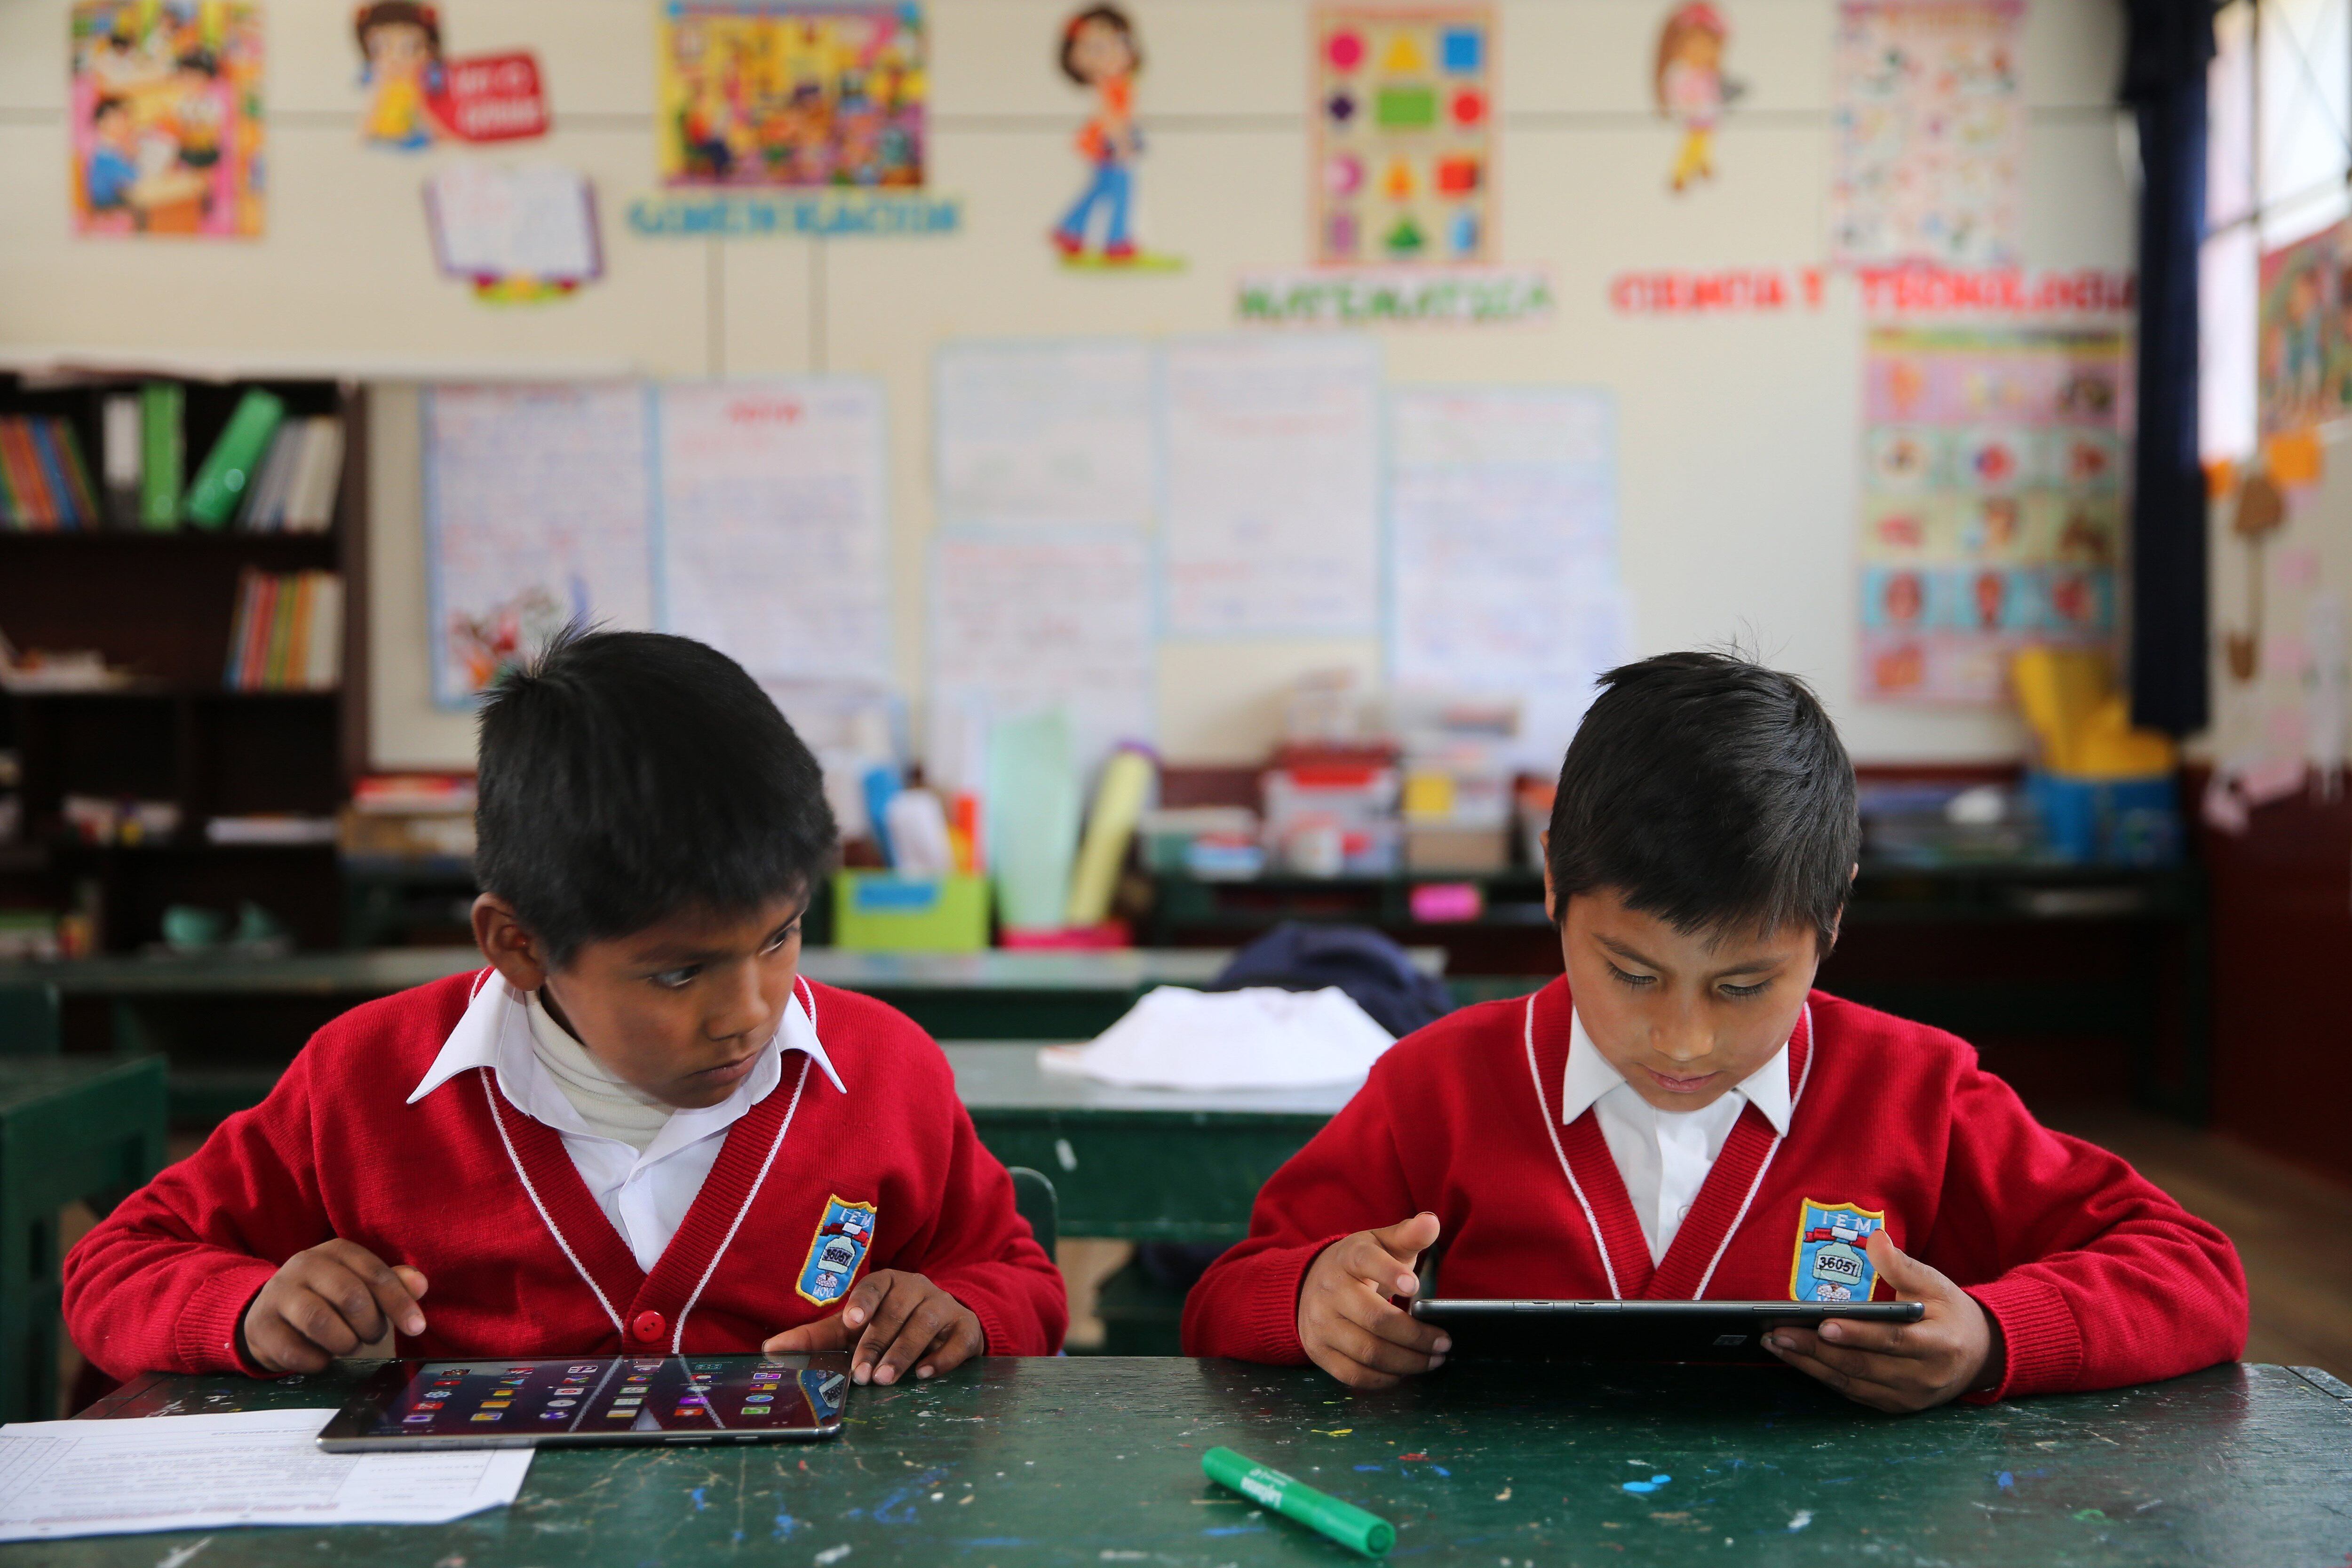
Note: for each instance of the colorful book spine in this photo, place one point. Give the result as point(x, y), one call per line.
point(11, 514)
point(77, 471)
point(240, 631)
point(326, 665)
point(162, 407)
point(32, 484)
point(256, 647)
point(53, 471)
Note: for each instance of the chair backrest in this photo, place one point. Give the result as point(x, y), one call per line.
point(1034, 1198)
point(28, 1021)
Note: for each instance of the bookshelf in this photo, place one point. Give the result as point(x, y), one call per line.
point(161, 604)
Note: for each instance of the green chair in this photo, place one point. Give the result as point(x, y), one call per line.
point(29, 1023)
point(1033, 1199)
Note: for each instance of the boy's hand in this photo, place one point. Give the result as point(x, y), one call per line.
point(1901, 1367)
point(1345, 1320)
point(328, 1302)
point(908, 1322)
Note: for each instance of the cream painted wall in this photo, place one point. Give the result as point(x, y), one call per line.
point(1737, 436)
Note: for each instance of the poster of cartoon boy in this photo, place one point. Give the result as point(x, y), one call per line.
point(1099, 52)
point(165, 111)
point(1690, 87)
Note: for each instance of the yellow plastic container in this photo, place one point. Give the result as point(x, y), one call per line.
point(880, 911)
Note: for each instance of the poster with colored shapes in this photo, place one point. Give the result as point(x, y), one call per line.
point(1992, 509)
point(764, 94)
point(1404, 150)
point(1930, 132)
point(2305, 370)
point(165, 111)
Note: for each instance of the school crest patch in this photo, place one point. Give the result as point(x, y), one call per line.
point(1830, 1263)
point(835, 1251)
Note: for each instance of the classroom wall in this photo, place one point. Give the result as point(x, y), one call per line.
point(1738, 433)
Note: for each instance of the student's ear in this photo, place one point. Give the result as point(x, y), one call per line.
point(1552, 911)
point(504, 940)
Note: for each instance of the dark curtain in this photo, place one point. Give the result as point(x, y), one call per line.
point(2164, 83)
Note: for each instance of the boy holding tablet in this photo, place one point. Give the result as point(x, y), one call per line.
point(1681, 1116)
point(640, 1130)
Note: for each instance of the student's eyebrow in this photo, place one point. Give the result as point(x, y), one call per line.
point(1622, 950)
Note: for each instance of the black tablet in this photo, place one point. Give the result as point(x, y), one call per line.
point(482, 1403)
point(1639, 1330)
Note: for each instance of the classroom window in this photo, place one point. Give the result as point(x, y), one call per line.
point(2278, 153)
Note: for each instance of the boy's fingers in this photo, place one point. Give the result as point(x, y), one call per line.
point(414, 1278)
point(957, 1343)
point(1887, 1339)
point(887, 1317)
point(278, 1347)
point(1393, 1323)
point(1910, 1278)
point(827, 1334)
point(1367, 1349)
point(866, 1295)
point(389, 1300)
point(917, 1329)
point(317, 1319)
point(1404, 1243)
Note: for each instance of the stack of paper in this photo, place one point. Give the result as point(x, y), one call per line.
point(1257, 1039)
point(253, 1466)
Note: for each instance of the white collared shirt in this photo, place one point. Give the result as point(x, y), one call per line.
point(1664, 1156)
point(645, 1195)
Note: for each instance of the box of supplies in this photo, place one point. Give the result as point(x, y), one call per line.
point(881, 912)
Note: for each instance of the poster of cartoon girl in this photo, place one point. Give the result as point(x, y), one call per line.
point(400, 41)
point(1099, 52)
point(1690, 87)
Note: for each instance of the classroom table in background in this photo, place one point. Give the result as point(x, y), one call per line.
point(1098, 1461)
point(229, 1023)
point(70, 1128)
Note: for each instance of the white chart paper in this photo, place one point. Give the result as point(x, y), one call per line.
point(64, 1478)
point(775, 526)
point(536, 220)
point(1273, 487)
point(1503, 532)
point(1025, 622)
point(1051, 433)
point(536, 501)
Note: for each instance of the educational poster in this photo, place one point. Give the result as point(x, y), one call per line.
point(1502, 551)
point(1099, 53)
point(417, 96)
point(774, 531)
point(1057, 432)
point(517, 234)
point(1931, 132)
point(1403, 117)
point(165, 106)
point(1273, 507)
point(1690, 88)
point(1992, 511)
point(2304, 374)
point(762, 94)
point(1023, 622)
point(537, 501)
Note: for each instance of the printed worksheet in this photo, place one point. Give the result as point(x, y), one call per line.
point(1056, 433)
point(1273, 487)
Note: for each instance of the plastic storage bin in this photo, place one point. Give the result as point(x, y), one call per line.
point(2108, 822)
point(880, 911)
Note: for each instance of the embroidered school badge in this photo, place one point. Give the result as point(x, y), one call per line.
point(838, 1247)
point(1830, 1265)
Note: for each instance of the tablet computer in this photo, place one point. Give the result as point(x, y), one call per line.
point(1639, 1330)
point(578, 1400)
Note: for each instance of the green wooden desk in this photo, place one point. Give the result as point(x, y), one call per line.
point(1139, 1165)
point(68, 1129)
point(229, 1024)
point(1094, 1461)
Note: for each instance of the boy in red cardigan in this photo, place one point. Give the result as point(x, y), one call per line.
point(1682, 1116)
point(639, 1130)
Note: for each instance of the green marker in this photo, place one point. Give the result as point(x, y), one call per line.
point(1343, 1522)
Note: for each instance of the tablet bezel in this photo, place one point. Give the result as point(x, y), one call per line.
point(1701, 1331)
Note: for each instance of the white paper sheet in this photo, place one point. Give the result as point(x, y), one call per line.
point(253, 1466)
point(1258, 1038)
point(1273, 486)
point(774, 530)
point(534, 220)
point(536, 499)
point(1046, 433)
point(1502, 540)
point(1025, 622)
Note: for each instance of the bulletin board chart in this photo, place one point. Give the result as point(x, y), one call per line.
point(1992, 506)
point(1404, 155)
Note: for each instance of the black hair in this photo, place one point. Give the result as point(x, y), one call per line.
point(106, 104)
point(625, 777)
point(1110, 17)
point(1712, 792)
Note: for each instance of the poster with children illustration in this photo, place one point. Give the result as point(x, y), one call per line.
point(1099, 52)
point(2303, 373)
point(1930, 132)
point(1993, 464)
point(1690, 87)
point(1403, 112)
point(791, 93)
point(417, 96)
point(165, 105)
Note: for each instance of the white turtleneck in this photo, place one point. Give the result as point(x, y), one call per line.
point(611, 1106)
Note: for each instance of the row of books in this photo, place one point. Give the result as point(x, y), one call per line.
point(265, 473)
point(44, 484)
point(289, 632)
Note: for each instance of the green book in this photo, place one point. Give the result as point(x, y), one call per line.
point(230, 466)
point(162, 461)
